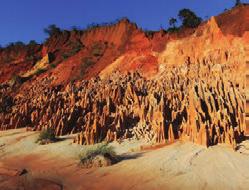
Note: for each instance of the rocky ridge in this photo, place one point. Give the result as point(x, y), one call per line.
point(187, 86)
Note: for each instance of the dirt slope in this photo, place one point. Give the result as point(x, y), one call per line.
point(177, 166)
point(84, 54)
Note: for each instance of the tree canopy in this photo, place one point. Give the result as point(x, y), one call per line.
point(172, 22)
point(189, 18)
point(52, 30)
point(32, 43)
point(238, 2)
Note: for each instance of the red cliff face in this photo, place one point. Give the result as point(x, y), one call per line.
point(234, 22)
point(17, 59)
point(124, 47)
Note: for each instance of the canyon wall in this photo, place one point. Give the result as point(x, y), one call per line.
point(116, 82)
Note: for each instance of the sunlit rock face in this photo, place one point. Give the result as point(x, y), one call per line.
point(201, 106)
point(121, 84)
point(208, 45)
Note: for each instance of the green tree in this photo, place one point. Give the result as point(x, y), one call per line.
point(32, 43)
point(238, 2)
point(52, 30)
point(189, 18)
point(172, 22)
point(19, 43)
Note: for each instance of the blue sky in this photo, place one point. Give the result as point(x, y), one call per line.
point(24, 20)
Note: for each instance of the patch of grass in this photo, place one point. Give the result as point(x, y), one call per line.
point(46, 136)
point(104, 150)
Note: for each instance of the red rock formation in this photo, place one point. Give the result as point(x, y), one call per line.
point(163, 87)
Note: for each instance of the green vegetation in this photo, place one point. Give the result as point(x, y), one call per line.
point(172, 29)
point(97, 50)
point(237, 3)
point(39, 71)
point(17, 44)
point(75, 49)
point(20, 44)
point(46, 136)
point(16, 79)
point(52, 30)
point(104, 24)
point(6, 102)
point(32, 43)
point(172, 22)
point(65, 56)
point(86, 63)
point(30, 58)
point(53, 65)
point(104, 150)
point(189, 18)
point(149, 33)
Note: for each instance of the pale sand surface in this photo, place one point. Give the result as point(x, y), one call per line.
point(177, 166)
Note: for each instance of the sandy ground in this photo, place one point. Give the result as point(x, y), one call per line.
point(177, 166)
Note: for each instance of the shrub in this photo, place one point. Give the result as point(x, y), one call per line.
point(173, 29)
point(32, 43)
point(19, 44)
point(100, 155)
point(237, 3)
point(6, 102)
point(65, 56)
point(16, 79)
point(30, 58)
point(52, 30)
point(53, 65)
point(189, 18)
point(75, 49)
point(97, 50)
point(88, 62)
point(149, 33)
point(46, 136)
point(40, 71)
point(172, 22)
